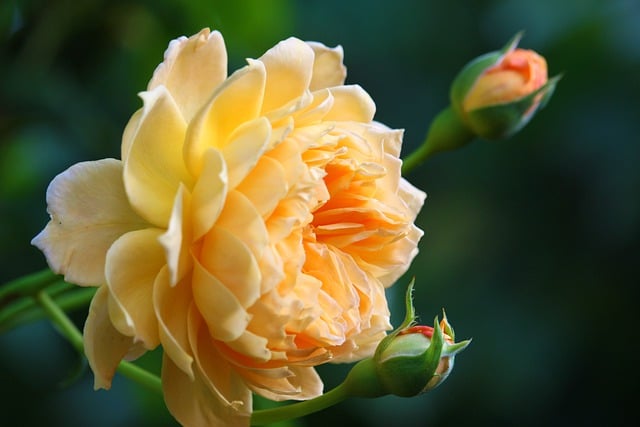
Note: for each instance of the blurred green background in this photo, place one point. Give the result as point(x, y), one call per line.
point(531, 244)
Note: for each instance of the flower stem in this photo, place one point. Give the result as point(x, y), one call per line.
point(71, 333)
point(28, 284)
point(300, 409)
point(446, 132)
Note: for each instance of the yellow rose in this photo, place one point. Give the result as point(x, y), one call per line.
point(250, 228)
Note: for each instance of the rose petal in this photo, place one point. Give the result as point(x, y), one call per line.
point(171, 304)
point(192, 69)
point(244, 149)
point(154, 168)
point(328, 69)
point(192, 402)
point(133, 262)
point(351, 103)
point(209, 193)
point(265, 186)
point(89, 211)
point(223, 313)
point(104, 346)
point(178, 237)
point(238, 100)
point(289, 66)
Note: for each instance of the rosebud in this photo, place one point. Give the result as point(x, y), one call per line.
point(496, 94)
point(409, 361)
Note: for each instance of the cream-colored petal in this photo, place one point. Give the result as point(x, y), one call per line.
point(133, 262)
point(129, 133)
point(171, 304)
point(287, 383)
point(328, 69)
point(193, 404)
point(209, 193)
point(231, 261)
point(351, 103)
point(177, 240)
point(265, 186)
point(192, 69)
point(242, 221)
point(289, 66)
point(221, 310)
point(104, 346)
point(244, 149)
point(154, 167)
point(238, 100)
point(89, 211)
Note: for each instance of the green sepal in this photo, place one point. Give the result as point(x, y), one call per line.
point(409, 320)
point(500, 121)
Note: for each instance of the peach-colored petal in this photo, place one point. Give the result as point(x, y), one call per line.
point(133, 262)
point(223, 313)
point(328, 69)
point(265, 186)
point(171, 304)
point(286, 383)
point(351, 103)
point(89, 211)
point(244, 149)
point(238, 100)
point(231, 260)
point(193, 404)
point(209, 193)
point(176, 241)
point(129, 133)
point(192, 68)
point(154, 168)
point(104, 346)
point(289, 66)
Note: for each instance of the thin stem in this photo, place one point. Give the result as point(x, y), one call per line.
point(73, 335)
point(300, 409)
point(28, 284)
point(446, 132)
point(26, 310)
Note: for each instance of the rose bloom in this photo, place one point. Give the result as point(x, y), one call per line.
point(250, 229)
point(519, 73)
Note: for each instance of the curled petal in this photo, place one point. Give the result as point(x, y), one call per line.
point(171, 304)
point(89, 211)
point(133, 262)
point(351, 103)
point(245, 147)
point(193, 403)
point(154, 169)
point(209, 193)
point(289, 66)
point(192, 68)
point(178, 237)
point(287, 383)
point(328, 69)
point(235, 102)
point(104, 346)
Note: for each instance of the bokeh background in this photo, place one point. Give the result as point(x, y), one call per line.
point(531, 244)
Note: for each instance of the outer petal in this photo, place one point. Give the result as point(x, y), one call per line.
point(209, 193)
point(178, 237)
point(289, 66)
point(245, 148)
point(194, 404)
point(171, 305)
point(351, 103)
point(133, 262)
point(89, 211)
point(192, 69)
point(328, 69)
point(294, 382)
point(236, 102)
point(154, 169)
point(104, 346)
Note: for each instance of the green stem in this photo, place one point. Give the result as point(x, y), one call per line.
point(446, 132)
point(26, 310)
point(27, 285)
point(300, 409)
point(71, 333)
